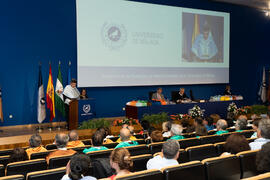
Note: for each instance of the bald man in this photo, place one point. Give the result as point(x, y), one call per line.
point(74, 140)
point(131, 129)
point(125, 138)
point(221, 127)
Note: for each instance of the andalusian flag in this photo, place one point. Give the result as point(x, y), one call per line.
point(41, 111)
point(50, 96)
point(196, 27)
point(1, 110)
point(59, 99)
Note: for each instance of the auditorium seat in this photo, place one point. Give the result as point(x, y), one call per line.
point(142, 175)
point(114, 138)
point(222, 168)
point(138, 150)
point(60, 161)
point(139, 162)
point(80, 149)
point(2, 170)
point(183, 157)
point(192, 171)
point(189, 135)
point(24, 167)
point(51, 147)
point(141, 141)
point(219, 148)
point(4, 152)
point(100, 154)
point(110, 145)
point(212, 132)
point(4, 160)
point(251, 139)
point(226, 135)
point(247, 133)
point(155, 147)
point(52, 174)
point(87, 142)
point(185, 143)
point(139, 136)
point(201, 152)
point(212, 139)
point(39, 155)
point(13, 177)
point(231, 129)
point(265, 176)
point(248, 163)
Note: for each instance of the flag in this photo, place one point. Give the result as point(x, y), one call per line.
point(268, 92)
point(41, 112)
point(50, 96)
point(262, 91)
point(1, 110)
point(59, 99)
point(196, 28)
point(69, 73)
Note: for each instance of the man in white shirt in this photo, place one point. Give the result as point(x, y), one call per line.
point(263, 134)
point(71, 92)
point(167, 157)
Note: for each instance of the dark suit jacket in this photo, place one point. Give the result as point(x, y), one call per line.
point(179, 97)
point(227, 92)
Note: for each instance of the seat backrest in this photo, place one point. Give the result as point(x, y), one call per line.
point(87, 142)
point(212, 132)
point(110, 145)
point(57, 173)
point(40, 155)
point(4, 160)
point(2, 170)
point(80, 149)
point(5, 152)
point(189, 135)
point(183, 157)
point(191, 170)
point(251, 139)
point(219, 148)
point(265, 176)
point(141, 141)
point(185, 143)
point(139, 136)
point(247, 133)
point(139, 162)
point(248, 163)
point(201, 152)
point(212, 139)
point(226, 135)
point(51, 146)
point(13, 177)
point(59, 161)
point(114, 138)
point(155, 147)
point(100, 154)
point(142, 175)
point(222, 168)
point(24, 167)
point(138, 150)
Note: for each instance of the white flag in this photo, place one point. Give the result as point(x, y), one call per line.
point(41, 113)
point(262, 92)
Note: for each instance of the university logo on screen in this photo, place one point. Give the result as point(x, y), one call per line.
point(114, 36)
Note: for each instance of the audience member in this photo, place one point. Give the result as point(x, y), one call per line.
point(78, 168)
point(235, 143)
point(188, 126)
point(168, 156)
point(35, 143)
point(145, 125)
point(156, 136)
point(263, 134)
point(166, 129)
point(215, 118)
point(131, 130)
point(263, 159)
point(240, 125)
point(18, 154)
point(61, 141)
point(198, 121)
point(120, 161)
point(255, 125)
point(200, 130)
point(208, 123)
point(125, 139)
point(74, 140)
point(176, 132)
point(97, 141)
point(106, 135)
point(221, 127)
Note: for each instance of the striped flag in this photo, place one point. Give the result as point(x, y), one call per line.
point(50, 96)
point(59, 99)
point(41, 112)
point(1, 109)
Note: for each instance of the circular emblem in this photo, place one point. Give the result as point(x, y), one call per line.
point(86, 108)
point(113, 35)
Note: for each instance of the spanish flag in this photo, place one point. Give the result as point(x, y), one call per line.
point(196, 27)
point(50, 96)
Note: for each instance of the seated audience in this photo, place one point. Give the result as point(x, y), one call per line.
point(74, 140)
point(156, 136)
point(35, 143)
point(234, 144)
point(263, 159)
point(18, 154)
point(166, 129)
point(188, 126)
point(208, 123)
point(168, 156)
point(146, 126)
point(263, 134)
point(221, 127)
point(97, 141)
point(240, 125)
point(131, 130)
point(120, 161)
point(176, 132)
point(215, 118)
point(106, 135)
point(61, 141)
point(200, 130)
point(78, 168)
point(255, 125)
point(125, 139)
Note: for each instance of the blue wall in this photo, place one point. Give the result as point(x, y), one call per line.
point(45, 30)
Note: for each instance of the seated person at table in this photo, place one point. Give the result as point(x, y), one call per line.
point(176, 132)
point(263, 134)
point(263, 159)
point(131, 130)
point(166, 129)
point(240, 125)
point(180, 96)
point(35, 142)
point(83, 94)
point(18, 154)
point(255, 125)
point(97, 141)
point(221, 127)
point(158, 96)
point(61, 141)
point(125, 139)
point(208, 123)
point(156, 136)
point(74, 140)
point(168, 156)
point(234, 144)
point(227, 91)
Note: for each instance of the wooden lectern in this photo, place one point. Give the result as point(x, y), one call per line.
point(73, 115)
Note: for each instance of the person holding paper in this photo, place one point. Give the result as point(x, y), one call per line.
point(71, 92)
point(180, 96)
